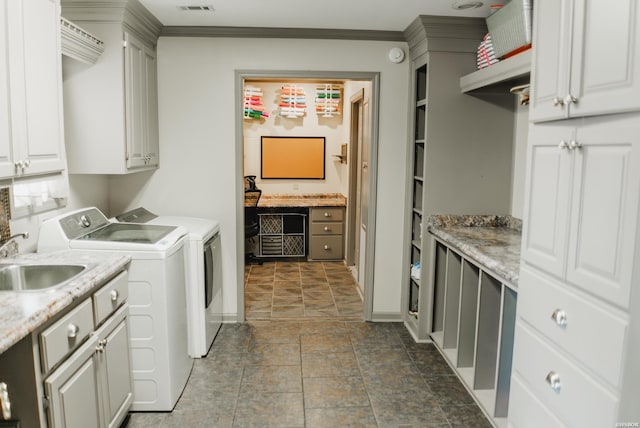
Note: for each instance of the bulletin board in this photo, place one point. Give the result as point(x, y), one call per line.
point(293, 158)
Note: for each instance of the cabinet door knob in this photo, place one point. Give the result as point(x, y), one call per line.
point(19, 164)
point(560, 317)
point(562, 145)
point(326, 228)
point(72, 331)
point(574, 145)
point(558, 102)
point(102, 344)
point(26, 163)
point(553, 379)
point(326, 214)
point(114, 295)
point(570, 99)
point(326, 247)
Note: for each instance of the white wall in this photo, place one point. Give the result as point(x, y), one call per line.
point(197, 110)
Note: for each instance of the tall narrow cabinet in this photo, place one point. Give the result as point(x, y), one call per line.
point(460, 149)
point(577, 336)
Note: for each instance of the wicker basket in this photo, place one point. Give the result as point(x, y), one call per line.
point(510, 26)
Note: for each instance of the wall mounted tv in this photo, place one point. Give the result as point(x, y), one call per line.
point(292, 158)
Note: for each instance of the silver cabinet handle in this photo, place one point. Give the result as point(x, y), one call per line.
point(558, 102)
point(72, 331)
point(562, 145)
point(560, 317)
point(326, 214)
point(553, 379)
point(114, 295)
point(326, 247)
point(27, 163)
point(570, 99)
point(19, 164)
point(326, 228)
point(102, 344)
point(574, 145)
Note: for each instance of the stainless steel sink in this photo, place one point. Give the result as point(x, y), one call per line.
point(17, 277)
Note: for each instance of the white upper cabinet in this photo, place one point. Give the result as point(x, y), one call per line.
point(584, 191)
point(30, 88)
point(582, 68)
point(111, 107)
point(141, 103)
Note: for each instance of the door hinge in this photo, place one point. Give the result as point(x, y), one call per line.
point(124, 43)
point(126, 156)
point(45, 403)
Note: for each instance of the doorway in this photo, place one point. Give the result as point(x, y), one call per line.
point(359, 199)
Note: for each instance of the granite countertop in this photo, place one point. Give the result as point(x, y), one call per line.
point(493, 241)
point(303, 200)
point(23, 312)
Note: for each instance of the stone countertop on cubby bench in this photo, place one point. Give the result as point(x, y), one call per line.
point(23, 312)
point(493, 241)
point(303, 200)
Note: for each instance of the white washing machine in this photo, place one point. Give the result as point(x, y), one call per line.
point(157, 298)
point(204, 274)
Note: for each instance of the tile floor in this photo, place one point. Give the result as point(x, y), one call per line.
point(292, 289)
point(323, 374)
point(302, 362)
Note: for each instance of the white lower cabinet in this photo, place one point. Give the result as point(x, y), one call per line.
point(93, 386)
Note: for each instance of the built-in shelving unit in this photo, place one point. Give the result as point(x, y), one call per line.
point(508, 72)
point(473, 326)
point(282, 234)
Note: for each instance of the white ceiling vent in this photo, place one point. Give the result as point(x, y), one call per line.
point(197, 8)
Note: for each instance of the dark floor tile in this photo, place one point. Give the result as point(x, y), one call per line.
point(407, 408)
point(430, 363)
point(327, 364)
point(466, 416)
point(400, 377)
point(325, 343)
point(381, 358)
point(256, 409)
point(197, 418)
point(272, 379)
point(285, 354)
point(328, 392)
point(345, 417)
point(322, 327)
point(145, 420)
point(449, 391)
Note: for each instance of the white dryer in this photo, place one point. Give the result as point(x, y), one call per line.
point(157, 298)
point(203, 270)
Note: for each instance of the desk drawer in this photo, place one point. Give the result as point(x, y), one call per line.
point(539, 297)
point(326, 228)
point(65, 335)
point(325, 247)
point(578, 398)
point(110, 297)
point(327, 214)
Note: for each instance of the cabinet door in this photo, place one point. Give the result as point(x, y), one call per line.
point(7, 168)
point(547, 198)
point(605, 72)
point(551, 59)
point(41, 144)
point(151, 106)
point(117, 374)
point(73, 390)
point(135, 104)
point(605, 207)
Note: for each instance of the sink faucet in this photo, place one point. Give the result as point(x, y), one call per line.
point(4, 244)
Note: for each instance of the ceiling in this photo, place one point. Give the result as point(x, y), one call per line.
point(381, 15)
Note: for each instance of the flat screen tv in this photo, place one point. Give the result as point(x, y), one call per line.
point(292, 158)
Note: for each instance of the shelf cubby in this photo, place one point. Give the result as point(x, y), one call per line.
point(468, 311)
point(488, 330)
point(452, 299)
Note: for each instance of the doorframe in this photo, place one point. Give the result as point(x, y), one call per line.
point(374, 78)
point(353, 225)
